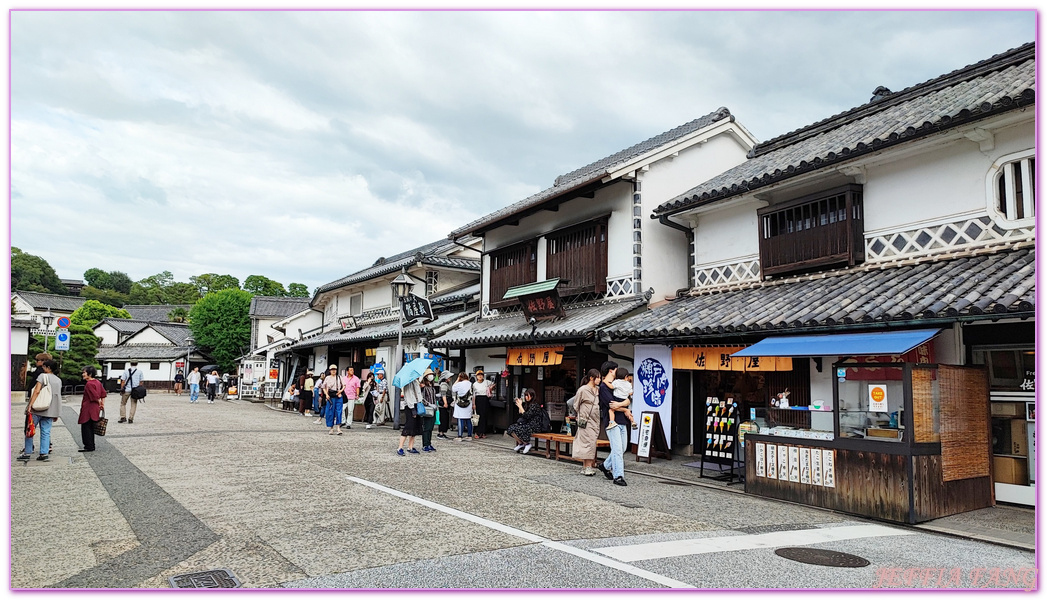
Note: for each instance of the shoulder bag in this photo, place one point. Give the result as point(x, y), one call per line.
point(43, 399)
point(101, 423)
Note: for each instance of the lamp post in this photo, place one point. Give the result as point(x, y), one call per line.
point(47, 318)
point(402, 286)
point(188, 352)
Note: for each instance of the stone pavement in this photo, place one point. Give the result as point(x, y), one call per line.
point(271, 497)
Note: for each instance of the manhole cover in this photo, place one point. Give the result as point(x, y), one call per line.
point(219, 578)
point(667, 482)
point(825, 558)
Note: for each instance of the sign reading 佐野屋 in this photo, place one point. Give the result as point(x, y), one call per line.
point(534, 357)
point(720, 359)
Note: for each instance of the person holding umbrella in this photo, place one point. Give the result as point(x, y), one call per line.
point(407, 380)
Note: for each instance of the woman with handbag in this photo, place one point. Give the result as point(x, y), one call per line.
point(587, 406)
point(429, 399)
point(530, 421)
point(463, 405)
point(410, 398)
point(365, 392)
point(91, 408)
point(45, 405)
point(445, 400)
point(333, 391)
point(482, 403)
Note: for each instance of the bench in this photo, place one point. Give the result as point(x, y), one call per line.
point(558, 445)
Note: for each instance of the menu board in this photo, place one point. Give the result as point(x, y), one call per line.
point(796, 464)
point(721, 429)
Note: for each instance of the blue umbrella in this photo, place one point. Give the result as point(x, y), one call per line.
point(412, 371)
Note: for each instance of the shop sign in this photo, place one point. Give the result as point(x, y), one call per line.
point(643, 447)
point(545, 305)
point(720, 359)
point(795, 464)
point(878, 397)
point(414, 307)
point(921, 355)
point(274, 374)
point(534, 357)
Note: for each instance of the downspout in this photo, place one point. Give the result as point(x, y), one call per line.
point(664, 220)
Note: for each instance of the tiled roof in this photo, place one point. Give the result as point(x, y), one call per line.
point(53, 301)
point(426, 254)
point(990, 285)
point(141, 352)
point(382, 331)
point(123, 325)
point(1002, 83)
point(24, 324)
point(154, 313)
point(580, 323)
point(276, 306)
point(176, 332)
point(595, 171)
point(456, 295)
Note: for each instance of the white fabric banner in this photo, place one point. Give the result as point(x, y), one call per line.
point(653, 386)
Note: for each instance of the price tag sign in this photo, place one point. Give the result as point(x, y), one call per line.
point(62, 340)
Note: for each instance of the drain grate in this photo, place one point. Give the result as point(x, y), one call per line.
point(670, 482)
point(825, 558)
point(218, 578)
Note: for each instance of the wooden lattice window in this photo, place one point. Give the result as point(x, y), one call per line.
point(578, 256)
point(512, 266)
point(816, 231)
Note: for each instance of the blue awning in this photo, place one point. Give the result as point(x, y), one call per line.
point(841, 344)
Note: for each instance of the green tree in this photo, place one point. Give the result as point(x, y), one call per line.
point(83, 346)
point(213, 282)
point(110, 297)
point(297, 290)
point(33, 274)
point(181, 293)
point(97, 278)
point(93, 311)
point(220, 323)
point(261, 285)
point(145, 295)
point(120, 282)
point(178, 315)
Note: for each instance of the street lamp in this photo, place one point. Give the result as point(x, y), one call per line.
point(47, 318)
point(188, 351)
point(402, 286)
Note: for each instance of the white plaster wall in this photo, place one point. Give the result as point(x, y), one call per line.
point(378, 295)
point(19, 342)
point(822, 383)
point(309, 320)
point(726, 235)
point(148, 336)
point(485, 276)
point(481, 357)
point(109, 335)
point(263, 328)
point(21, 307)
point(948, 346)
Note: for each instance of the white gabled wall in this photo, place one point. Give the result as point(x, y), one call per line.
point(108, 334)
point(727, 234)
point(148, 336)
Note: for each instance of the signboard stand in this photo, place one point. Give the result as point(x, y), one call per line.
point(651, 441)
point(721, 439)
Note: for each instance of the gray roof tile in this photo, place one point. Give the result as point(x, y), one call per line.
point(277, 306)
point(381, 331)
point(989, 284)
point(427, 254)
point(579, 323)
point(999, 84)
point(140, 352)
point(154, 313)
point(54, 301)
point(595, 171)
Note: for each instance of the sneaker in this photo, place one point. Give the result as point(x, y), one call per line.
point(619, 481)
point(526, 449)
point(24, 456)
point(611, 425)
point(122, 420)
point(426, 449)
point(588, 471)
point(400, 452)
point(414, 451)
point(457, 439)
point(432, 448)
point(44, 457)
point(519, 448)
point(368, 427)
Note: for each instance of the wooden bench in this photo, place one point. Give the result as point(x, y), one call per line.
point(558, 445)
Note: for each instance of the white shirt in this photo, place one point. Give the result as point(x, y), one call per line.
point(482, 388)
point(194, 378)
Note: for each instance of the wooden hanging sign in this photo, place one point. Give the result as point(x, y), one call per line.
point(651, 440)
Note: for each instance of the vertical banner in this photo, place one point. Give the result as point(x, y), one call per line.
point(794, 464)
point(829, 468)
point(652, 386)
point(783, 463)
point(816, 466)
point(805, 465)
point(761, 466)
point(772, 461)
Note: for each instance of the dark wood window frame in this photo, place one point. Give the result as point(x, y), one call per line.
point(523, 257)
point(817, 230)
point(578, 255)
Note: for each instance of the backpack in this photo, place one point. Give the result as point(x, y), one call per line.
point(547, 425)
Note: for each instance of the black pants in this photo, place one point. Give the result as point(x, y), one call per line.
point(305, 401)
point(445, 419)
point(87, 431)
point(212, 389)
point(483, 409)
point(369, 409)
point(427, 430)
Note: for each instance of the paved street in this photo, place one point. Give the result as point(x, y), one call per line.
point(271, 497)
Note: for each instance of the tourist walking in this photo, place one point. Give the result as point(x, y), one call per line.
point(179, 380)
point(482, 403)
point(429, 399)
point(91, 407)
point(409, 398)
point(617, 429)
point(305, 393)
point(365, 392)
point(445, 400)
point(194, 385)
point(333, 390)
point(46, 383)
point(352, 395)
point(212, 386)
point(531, 421)
point(587, 411)
point(38, 370)
point(130, 379)
point(463, 405)
point(380, 393)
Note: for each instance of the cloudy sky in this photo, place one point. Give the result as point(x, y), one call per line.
point(304, 145)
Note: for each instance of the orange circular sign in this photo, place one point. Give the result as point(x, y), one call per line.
point(877, 394)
